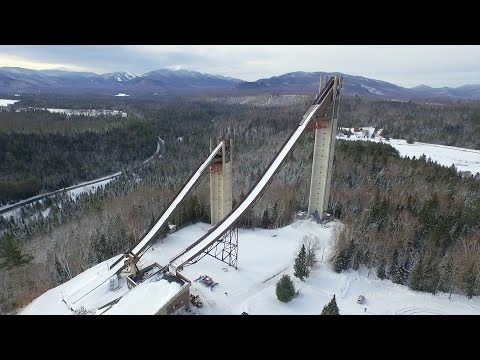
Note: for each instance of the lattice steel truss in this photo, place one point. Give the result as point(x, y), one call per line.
point(224, 249)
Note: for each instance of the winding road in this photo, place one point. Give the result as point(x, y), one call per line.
point(8, 208)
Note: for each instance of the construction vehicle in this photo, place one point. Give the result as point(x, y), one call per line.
point(207, 281)
point(195, 300)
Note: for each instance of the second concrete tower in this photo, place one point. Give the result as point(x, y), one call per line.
point(221, 181)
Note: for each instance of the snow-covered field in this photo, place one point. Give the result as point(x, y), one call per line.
point(463, 159)
point(92, 112)
point(6, 102)
point(264, 255)
point(69, 112)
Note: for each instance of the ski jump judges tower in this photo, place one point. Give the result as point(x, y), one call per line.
point(220, 181)
point(325, 126)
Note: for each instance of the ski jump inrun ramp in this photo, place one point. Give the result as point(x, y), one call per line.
point(328, 94)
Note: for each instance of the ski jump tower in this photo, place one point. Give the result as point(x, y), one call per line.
point(221, 181)
point(325, 126)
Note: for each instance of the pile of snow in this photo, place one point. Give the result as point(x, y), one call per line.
point(121, 94)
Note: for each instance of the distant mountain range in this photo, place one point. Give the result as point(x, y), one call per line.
point(182, 82)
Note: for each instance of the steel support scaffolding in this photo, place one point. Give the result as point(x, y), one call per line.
point(224, 249)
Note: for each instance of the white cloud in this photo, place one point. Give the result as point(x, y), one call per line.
point(406, 65)
point(8, 60)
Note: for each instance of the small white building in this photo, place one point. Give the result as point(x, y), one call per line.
point(154, 291)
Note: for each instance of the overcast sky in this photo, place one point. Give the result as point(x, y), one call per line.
point(412, 65)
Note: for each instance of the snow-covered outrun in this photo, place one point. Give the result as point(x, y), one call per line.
point(263, 256)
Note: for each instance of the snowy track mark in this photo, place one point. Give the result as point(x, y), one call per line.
point(419, 311)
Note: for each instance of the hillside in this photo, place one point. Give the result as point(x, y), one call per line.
point(184, 82)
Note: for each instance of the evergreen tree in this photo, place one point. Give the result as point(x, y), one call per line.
point(344, 258)
point(60, 274)
point(381, 270)
point(311, 258)
point(101, 247)
point(431, 276)
point(265, 219)
point(416, 279)
point(446, 276)
point(392, 271)
point(331, 308)
point(285, 289)
point(300, 266)
point(274, 219)
point(11, 254)
point(469, 281)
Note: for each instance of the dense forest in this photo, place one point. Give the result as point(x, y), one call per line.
point(371, 186)
point(32, 163)
point(416, 222)
point(42, 151)
point(446, 123)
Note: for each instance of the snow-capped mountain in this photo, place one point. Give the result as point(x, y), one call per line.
point(19, 80)
point(15, 80)
point(119, 76)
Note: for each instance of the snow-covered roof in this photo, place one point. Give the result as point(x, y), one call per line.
point(146, 298)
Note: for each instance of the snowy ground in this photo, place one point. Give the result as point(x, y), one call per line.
point(463, 159)
point(91, 112)
point(264, 255)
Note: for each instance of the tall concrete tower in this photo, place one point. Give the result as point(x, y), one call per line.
point(325, 124)
point(221, 181)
